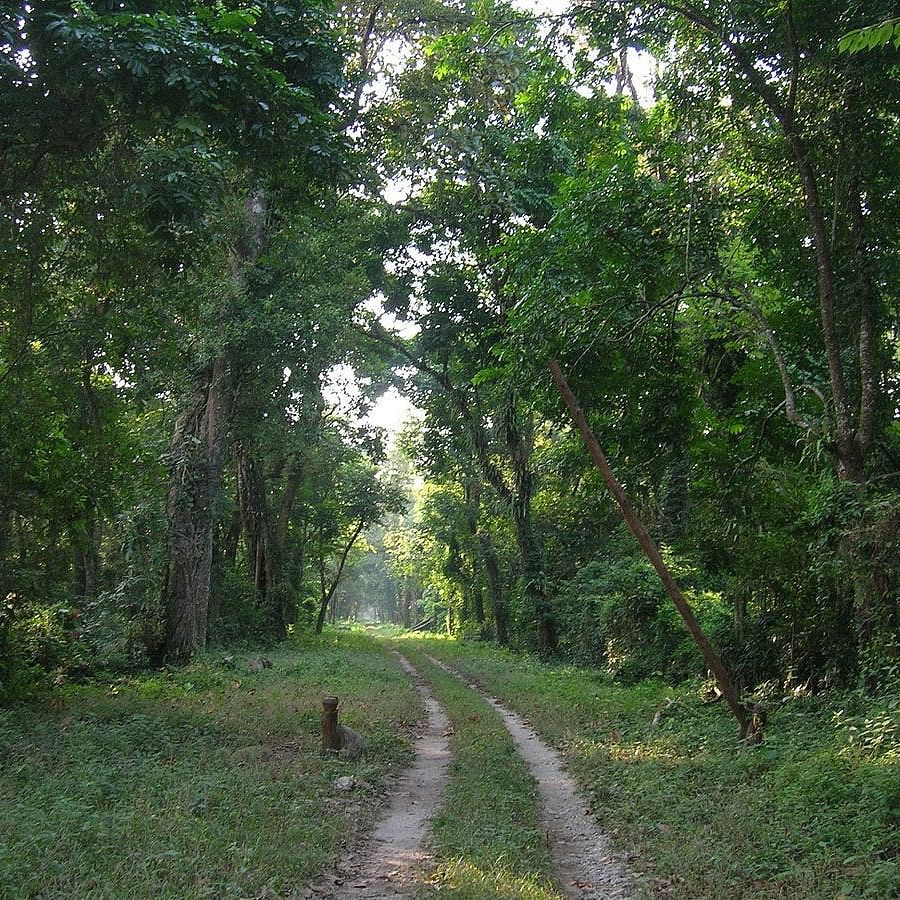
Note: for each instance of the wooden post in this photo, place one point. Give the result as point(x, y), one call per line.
point(330, 739)
point(723, 678)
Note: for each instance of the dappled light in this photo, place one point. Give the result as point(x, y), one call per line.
point(449, 449)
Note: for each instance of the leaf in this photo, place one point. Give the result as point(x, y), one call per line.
point(191, 125)
point(871, 37)
point(493, 373)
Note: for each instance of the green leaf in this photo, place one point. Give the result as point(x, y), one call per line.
point(492, 373)
point(871, 37)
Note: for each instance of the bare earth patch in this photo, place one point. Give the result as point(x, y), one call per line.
point(585, 864)
point(386, 865)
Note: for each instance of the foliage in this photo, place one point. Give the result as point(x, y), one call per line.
point(616, 617)
point(669, 250)
point(212, 215)
point(806, 814)
point(135, 138)
point(871, 37)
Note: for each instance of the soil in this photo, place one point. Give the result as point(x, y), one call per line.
point(585, 864)
point(386, 865)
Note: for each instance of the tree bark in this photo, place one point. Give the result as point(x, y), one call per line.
point(472, 490)
point(264, 548)
point(868, 390)
point(495, 587)
point(715, 664)
point(85, 532)
point(255, 517)
point(406, 595)
point(232, 536)
point(517, 499)
point(86, 552)
point(519, 450)
point(197, 452)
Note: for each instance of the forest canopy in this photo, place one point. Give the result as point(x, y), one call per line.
point(690, 209)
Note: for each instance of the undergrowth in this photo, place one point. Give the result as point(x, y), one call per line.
point(811, 813)
point(203, 782)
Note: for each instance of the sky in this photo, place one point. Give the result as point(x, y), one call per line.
point(542, 7)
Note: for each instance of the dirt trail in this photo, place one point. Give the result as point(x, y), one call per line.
point(385, 866)
point(586, 866)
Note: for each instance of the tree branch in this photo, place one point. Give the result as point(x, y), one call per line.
point(868, 389)
point(475, 428)
point(847, 445)
point(365, 63)
point(326, 597)
point(748, 304)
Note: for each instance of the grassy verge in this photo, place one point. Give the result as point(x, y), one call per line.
point(207, 781)
point(812, 813)
point(487, 840)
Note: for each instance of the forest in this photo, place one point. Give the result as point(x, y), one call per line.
point(556, 343)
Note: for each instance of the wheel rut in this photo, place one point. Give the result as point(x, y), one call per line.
point(385, 866)
point(586, 867)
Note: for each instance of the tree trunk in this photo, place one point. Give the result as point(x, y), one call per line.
point(85, 531)
point(495, 587)
point(232, 537)
point(86, 553)
point(478, 605)
point(7, 608)
point(529, 547)
point(406, 605)
point(198, 448)
point(867, 343)
point(851, 445)
point(723, 678)
point(533, 578)
point(517, 500)
point(255, 517)
point(197, 452)
point(279, 590)
point(327, 595)
point(473, 507)
point(264, 553)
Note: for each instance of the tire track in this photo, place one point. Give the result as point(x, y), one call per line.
point(386, 865)
point(586, 867)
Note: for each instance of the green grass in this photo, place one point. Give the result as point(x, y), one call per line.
point(487, 839)
point(208, 781)
point(809, 814)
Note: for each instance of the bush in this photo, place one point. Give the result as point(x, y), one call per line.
point(36, 641)
point(471, 631)
point(615, 615)
point(237, 616)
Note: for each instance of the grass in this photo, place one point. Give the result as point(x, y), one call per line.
point(811, 813)
point(209, 781)
point(205, 782)
point(487, 839)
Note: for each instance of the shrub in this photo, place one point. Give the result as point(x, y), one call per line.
point(614, 614)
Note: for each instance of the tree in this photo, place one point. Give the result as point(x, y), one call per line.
point(350, 500)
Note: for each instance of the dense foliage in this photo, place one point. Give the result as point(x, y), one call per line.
point(712, 260)
point(181, 255)
point(209, 209)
